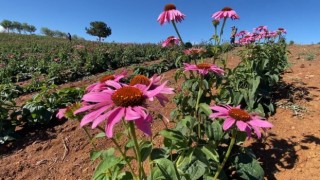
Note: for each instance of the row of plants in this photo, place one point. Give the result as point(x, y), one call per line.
point(217, 110)
point(34, 113)
point(57, 61)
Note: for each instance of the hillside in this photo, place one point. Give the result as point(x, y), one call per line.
point(290, 151)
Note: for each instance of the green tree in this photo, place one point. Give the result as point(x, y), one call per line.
point(100, 29)
point(32, 29)
point(46, 31)
point(17, 26)
point(6, 24)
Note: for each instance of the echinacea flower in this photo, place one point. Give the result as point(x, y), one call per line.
point(261, 28)
point(226, 12)
point(170, 41)
point(242, 33)
point(241, 118)
point(117, 103)
point(101, 85)
point(151, 84)
point(203, 68)
point(194, 51)
point(282, 30)
point(170, 13)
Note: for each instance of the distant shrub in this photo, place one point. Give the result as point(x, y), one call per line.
point(291, 42)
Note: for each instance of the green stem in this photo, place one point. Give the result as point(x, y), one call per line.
point(175, 28)
point(90, 138)
point(197, 106)
point(137, 150)
point(233, 140)
point(221, 31)
point(123, 156)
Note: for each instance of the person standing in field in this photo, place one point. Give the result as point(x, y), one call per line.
point(233, 34)
point(69, 37)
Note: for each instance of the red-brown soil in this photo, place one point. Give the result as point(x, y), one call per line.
point(291, 151)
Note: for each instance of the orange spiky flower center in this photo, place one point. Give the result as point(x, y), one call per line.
point(227, 9)
point(203, 66)
point(128, 96)
point(140, 79)
point(169, 7)
point(239, 114)
point(106, 78)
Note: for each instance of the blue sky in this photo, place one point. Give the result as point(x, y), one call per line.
point(135, 20)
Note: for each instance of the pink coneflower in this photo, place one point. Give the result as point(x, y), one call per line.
point(170, 13)
point(117, 103)
point(242, 33)
point(101, 85)
point(170, 41)
point(151, 84)
point(194, 51)
point(241, 118)
point(226, 12)
point(282, 30)
point(203, 68)
point(261, 28)
point(273, 34)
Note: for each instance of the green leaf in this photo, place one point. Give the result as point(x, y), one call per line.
point(214, 131)
point(165, 169)
point(145, 149)
point(205, 108)
point(211, 153)
point(172, 134)
point(247, 167)
point(104, 165)
point(100, 135)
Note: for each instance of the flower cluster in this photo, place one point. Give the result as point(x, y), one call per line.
point(259, 33)
point(112, 101)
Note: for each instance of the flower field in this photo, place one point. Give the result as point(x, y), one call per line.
point(88, 110)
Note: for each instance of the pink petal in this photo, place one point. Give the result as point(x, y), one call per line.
point(228, 123)
point(131, 115)
point(144, 125)
point(242, 125)
point(113, 119)
point(260, 123)
point(257, 131)
point(97, 97)
point(92, 115)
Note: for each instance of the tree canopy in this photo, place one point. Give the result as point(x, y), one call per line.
point(99, 28)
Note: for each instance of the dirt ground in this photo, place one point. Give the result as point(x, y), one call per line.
point(291, 151)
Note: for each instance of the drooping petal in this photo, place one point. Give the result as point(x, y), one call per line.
point(61, 113)
point(145, 125)
point(260, 123)
point(113, 119)
point(242, 125)
point(257, 131)
point(130, 114)
point(93, 115)
point(228, 123)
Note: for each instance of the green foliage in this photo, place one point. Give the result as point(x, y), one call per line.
point(251, 83)
point(42, 107)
